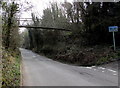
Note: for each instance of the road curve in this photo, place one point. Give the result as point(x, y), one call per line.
point(41, 71)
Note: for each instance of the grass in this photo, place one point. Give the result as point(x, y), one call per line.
point(11, 69)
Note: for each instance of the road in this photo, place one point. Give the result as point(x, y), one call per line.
point(41, 71)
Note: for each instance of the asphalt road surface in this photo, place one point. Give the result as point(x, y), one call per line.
point(41, 71)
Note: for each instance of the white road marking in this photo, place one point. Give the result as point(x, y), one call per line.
point(111, 70)
point(34, 56)
point(114, 74)
point(101, 68)
point(103, 71)
point(89, 67)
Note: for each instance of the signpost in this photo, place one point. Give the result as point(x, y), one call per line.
point(113, 29)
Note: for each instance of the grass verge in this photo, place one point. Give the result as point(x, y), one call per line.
point(11, 69)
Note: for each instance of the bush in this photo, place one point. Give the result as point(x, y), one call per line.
point(88, 56)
